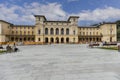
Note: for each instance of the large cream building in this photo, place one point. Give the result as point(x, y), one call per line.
point(45, 31)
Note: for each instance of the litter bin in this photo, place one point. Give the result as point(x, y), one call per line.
point(118, 48)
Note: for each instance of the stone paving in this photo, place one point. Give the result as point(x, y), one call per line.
point(60, 62)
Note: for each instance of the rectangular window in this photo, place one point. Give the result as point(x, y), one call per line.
point(97, 33)
point(20, 32)
point(28, 32)
point(80, 33)
point(74, 32)
point(24, 33)
point(83, 33)
point(32, 32)
point(90, 33)
point(87, 33)
point(39, 31)
point(16, 32)
point(12, 32)
point(38, 39)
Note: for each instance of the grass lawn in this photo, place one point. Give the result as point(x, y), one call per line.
point(2, 51)
point(109, 48)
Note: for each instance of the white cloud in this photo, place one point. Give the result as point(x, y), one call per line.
point(53, 11)
point(18, 14)
point(107, 13)
point(72, 0)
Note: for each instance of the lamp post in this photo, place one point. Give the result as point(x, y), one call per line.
point(74, 36)
point(111, 33)
point(43, 34)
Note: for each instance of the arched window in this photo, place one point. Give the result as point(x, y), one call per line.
point(33, 39)
point(16, 39)
point(52, 40)
point(20, 39)
point(24, 39)
point(57, 40)
point(38, 39)
point(57, 31)
point(46, 30)
point(51, 31)
point(46, 40)
point(12, 39)
point(62, 31)
point(62, 40)
point(29, 39)
point(97, 39)
point(90, 39)
point(74, 32)
point(67, 40)
point(67, 31)
point(38, 31)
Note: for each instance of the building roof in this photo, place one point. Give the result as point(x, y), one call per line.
point(23, 25)
point(59, 21)
point(5, 21)
point(109, 23)
point(87, 26)
point(40, 16)
point(73, 17)
point(106, 23)
point(97, 25)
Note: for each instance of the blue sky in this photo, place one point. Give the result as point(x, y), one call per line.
point(89, 11)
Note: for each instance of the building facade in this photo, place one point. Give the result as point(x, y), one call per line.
point(45, 31)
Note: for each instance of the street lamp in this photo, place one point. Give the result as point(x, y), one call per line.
point(74, 35)
point(111, 33)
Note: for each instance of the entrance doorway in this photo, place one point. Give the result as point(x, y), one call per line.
point(62, 40)
point(46, 40)
point(57, 40)
point(110, 39)
point(67, 40)
point(52, 40)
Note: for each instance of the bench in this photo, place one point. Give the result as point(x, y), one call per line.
point(109, 44)
point(94, 44)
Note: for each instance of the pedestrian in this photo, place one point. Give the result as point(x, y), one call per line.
point(15, 49)
point(8, 48)
point(118, 47)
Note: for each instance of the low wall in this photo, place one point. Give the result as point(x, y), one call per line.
point(32, 43)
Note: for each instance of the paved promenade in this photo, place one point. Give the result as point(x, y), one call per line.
point(60, 62)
